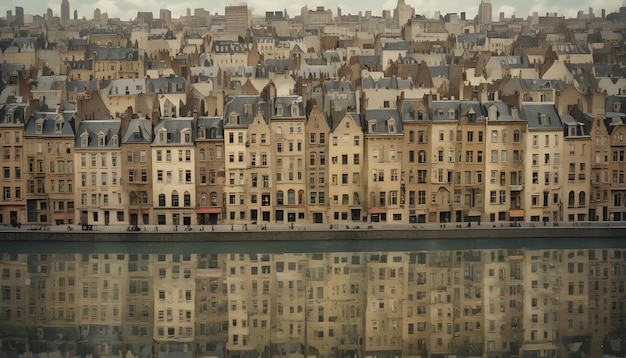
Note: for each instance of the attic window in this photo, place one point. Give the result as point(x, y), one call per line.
point(372, 126)
point(233, 118)
point(9, 118)
point(420, 116)
point(58, 125)
point(201, 131)
point(186, 136)
point(279, 109)
point(471, 117)
point(295, 111)
point(115, 140)
point(543, 119)
point(440, 113)
point(101, 139)
point(84, 139)
point(571, 130)
point(451, 114)
point(391, 125)
point(39, 126)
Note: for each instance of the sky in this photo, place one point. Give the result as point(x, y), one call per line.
point(127, 9)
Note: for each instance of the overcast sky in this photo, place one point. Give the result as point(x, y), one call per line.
point(127, 9)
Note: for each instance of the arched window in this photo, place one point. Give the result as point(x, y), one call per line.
point(174, 198)
point(133, 198)
point(211, 154)
point(143, 197)
point(161, 199)
point(291, 197)
point(581, 198)
point(203, 199)
point(202, 155)
point(213, 198)
point(355, 199)
point(570, 201)
point(187, 199)
point(280, 198)
point(300, 197)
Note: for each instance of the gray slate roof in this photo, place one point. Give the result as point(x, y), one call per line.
point(108, 127)
point(49, 121)
point(238, 104)
point(382, 116)
point(541, 116)
point(139, 131)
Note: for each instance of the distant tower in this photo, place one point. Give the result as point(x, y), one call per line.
point(484, 12)
point(75, 14)
point(402, 13)
point(19, 16)
point(97, 15)
point(49, 15)
point(65, 11)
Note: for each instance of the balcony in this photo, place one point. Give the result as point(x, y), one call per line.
point(516, 187)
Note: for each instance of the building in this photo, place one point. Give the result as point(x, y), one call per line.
point(65, 11)
point(13, 205)
point(210, 170)
point(237, 19)
point(484, 12)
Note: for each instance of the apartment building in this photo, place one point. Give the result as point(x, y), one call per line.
point(135, 173)
point(617, 197)
point(138, 314)
point(97, 149)
point(543, 164)
point(211, 300)
point(209, 169)
point(173, 165)
point(247, 130)
point(415, 163)
point(111, 63)
point(577, 144)
point(345, 168)
point(317, 131)
point(49, 180)
point(13, 205)
point(383, 145)
point(504, 166)
point(287, 122)
point(15, 291)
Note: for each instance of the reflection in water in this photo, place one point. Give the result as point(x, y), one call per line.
point(488, 303)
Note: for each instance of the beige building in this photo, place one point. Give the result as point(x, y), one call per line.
point(318, 174)
point(13, 204)
point(346, 169)
point(443, 164)
point(543, 165)
point(112, 63)
point(15, 291)
point(383, 145)
point(49, 140)
point(99, 198)
point(237, 19)
point(173, 166)
point(288, 136)
point(577, 146)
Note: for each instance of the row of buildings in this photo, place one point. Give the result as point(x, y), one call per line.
point(492, 303)
point(272, 159)
point(312, 119)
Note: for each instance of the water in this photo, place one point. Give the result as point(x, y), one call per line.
point(337, 298)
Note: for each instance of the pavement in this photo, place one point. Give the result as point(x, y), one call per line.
point(312, 227)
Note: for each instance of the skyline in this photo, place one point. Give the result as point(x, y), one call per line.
point(128, 9)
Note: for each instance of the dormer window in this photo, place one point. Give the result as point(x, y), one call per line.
point(295, 111)
point(101, 139)
point(451, 113)
point(543, 119)
point(493, 113)
point(39, 126)
point(391, 125)
point(10, 117)
point(185, 136)
point(571, 130)
point(233, 118)
point(201, 131)
point(420, 116)
point(162, 135)
point(372, 126)
point(84, 139)
point(115, 140)
point(58, 124)
point(440, 113)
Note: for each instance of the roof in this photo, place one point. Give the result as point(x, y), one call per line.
point(541, 115)
point(174, 128)
point(381, 118)
point(117, 53)
point(93, 129)
point(386, 83)
point(18, 111)
point(126, 86)
point(139, 131)
point(213, 127)
point(246, 108)
point(293, 107)
point(49, 121)
point(171, 84)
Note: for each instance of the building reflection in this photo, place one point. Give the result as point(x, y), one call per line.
point(487, 303)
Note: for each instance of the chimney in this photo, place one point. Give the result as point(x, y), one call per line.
point(126, 117)
point(33, 106)
point(155, 117)
point(195, 115)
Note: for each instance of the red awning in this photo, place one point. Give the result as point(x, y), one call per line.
point(376, 211)
point(209, 210)
point(516, 213)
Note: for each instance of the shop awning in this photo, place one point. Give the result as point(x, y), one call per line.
point(376, 211)
point(516, 213)
point(209, 210)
